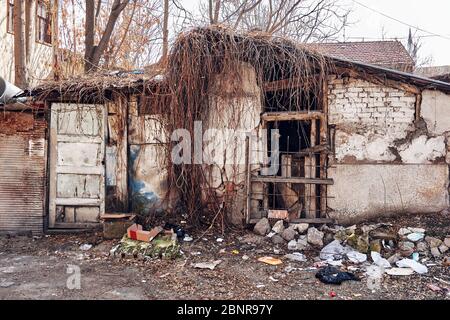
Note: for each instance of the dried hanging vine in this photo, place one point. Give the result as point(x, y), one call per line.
point(195, 59)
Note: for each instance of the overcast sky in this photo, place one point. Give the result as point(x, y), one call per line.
point(430, 15)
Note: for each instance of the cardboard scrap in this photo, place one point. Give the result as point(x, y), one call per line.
point(270, 260)
point(135, 232)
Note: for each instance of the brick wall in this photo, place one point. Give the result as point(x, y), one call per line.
point(368, 118)
point(362, 102)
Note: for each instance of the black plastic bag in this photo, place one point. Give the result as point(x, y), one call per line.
point(331, 275)
point(176, 228)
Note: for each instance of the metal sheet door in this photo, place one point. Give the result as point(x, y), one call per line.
point(77, 166)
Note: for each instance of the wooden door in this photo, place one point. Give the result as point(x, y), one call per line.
point(77, 165)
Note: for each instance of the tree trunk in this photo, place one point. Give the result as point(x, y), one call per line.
point(20, 79)
point(165, 44)
point(93, 53)
point(89, 30)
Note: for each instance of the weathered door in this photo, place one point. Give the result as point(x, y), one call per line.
point(77, 166)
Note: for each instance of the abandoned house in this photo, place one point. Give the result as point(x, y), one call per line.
point(347, 140)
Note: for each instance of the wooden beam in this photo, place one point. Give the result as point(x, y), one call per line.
point(248, 181)
point(310, 172)
point(277, 179)
point(311, 221)
point(286, 83)
point(292, 115)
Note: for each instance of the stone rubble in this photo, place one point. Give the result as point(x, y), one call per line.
point(397, 252)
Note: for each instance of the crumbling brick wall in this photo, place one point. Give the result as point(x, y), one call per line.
point(376, 130)
point(376, 123)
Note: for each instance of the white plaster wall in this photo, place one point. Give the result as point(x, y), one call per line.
point(41, 55)
point(235, 105)
point(370, 190)
point(435, 110)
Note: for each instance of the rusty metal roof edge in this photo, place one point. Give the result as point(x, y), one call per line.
point(396, 74)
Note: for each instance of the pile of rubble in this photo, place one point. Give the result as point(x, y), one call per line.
point(379, 248)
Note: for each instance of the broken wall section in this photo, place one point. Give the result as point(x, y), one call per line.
point(382, 146)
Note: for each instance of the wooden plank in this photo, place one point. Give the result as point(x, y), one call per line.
point(77, 225)
point(292, 116)
point(306, 220)
point(310, 172)
point(277, 179)
point(116, 215)
point(54, 109)
point(79, 139)
point(284, 84)
point(248, 181)
point(324, 155)
point(80, 170)
point(77, 202)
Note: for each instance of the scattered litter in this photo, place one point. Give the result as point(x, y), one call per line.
point(276, 251)
point(331, 275)
point(245, 257)
point(289, 269)
point(6, 284)
point(356, 257)
point(374, 271)
point(164, 275)
point(273, 279)
point(85, 247)
point(409, 263)
point(415, 236)
point(135, 232)
point(292, 245)
point(400, 271)
point(334, 263)
point(176, 228)
point(379, 260)
point(187, 238)
point(333, 250)
point(417, 230)
point(207, 265)
point(270, 260)
point(332, 294)
point(442, 281)
point(434, 287)
point(404, 231)
point(296, 256)
point(415, 256)
point(352, 268)
point(446, 262)
point(219, 240)
point(235, 251)
point(260, 286)
point(271, 234)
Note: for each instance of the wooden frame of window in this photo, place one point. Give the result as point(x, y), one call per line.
point(10, 16)
point(43, 23)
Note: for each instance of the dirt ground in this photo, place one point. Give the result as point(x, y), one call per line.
point(36, 268)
